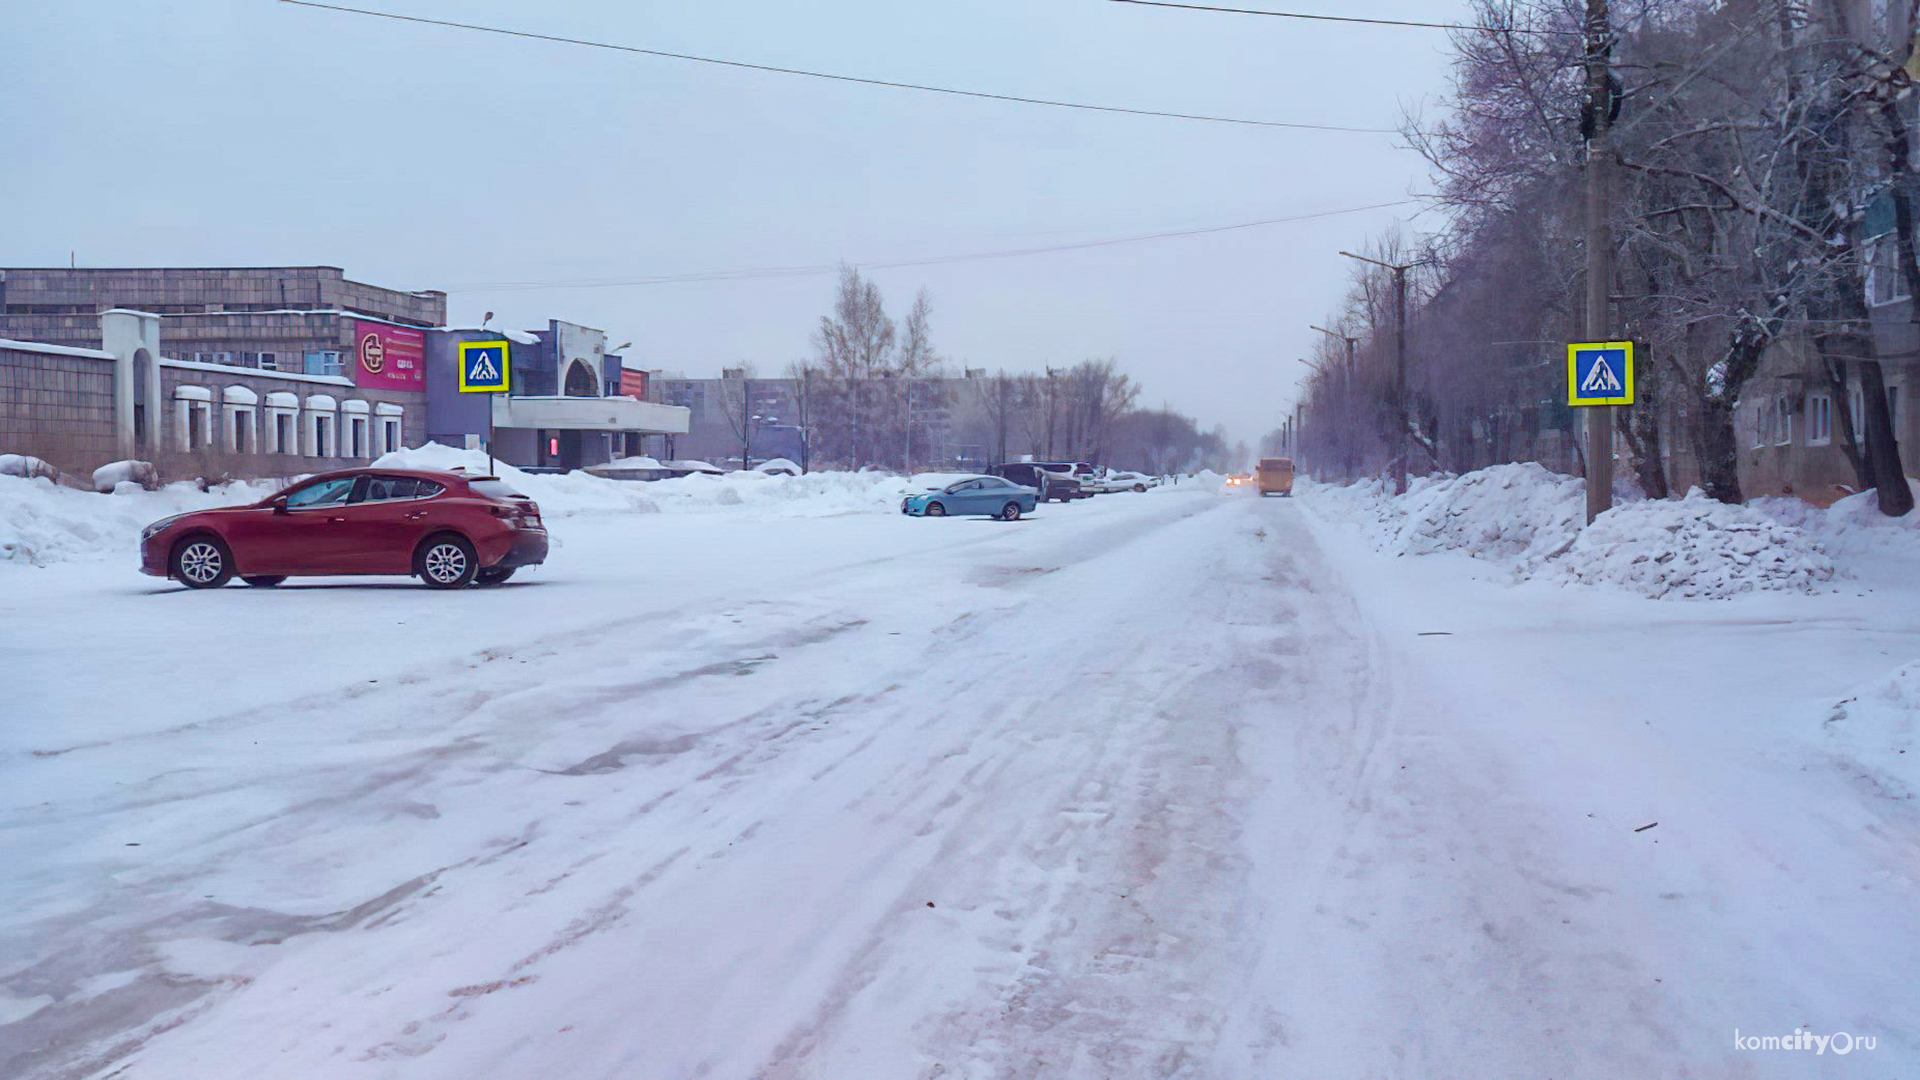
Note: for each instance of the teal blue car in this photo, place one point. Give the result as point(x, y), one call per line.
point(989, 495)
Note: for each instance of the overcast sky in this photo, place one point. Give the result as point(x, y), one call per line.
point(252, 132)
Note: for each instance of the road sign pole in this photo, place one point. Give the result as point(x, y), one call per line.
point(1599, 253)
point(490, 466)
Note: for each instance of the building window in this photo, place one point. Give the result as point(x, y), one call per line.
point(1857, 413)
point(240, 429)
point(389, 434)
point(323, 363)
point(194, 417)
point(1884, 280)
point(1893, 408)
point(269, 361)
point(357, 436)
point(1783, 422)
point(199, 424)
point(320, 435)
point(1762, 422)
point(1819, 420)
point(282, 435)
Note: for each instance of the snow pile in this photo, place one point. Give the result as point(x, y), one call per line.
point(1852, 528)
point(26, 465)
point(819, 494)
point(1529, 521)
point(1878, 727)
point(933, 481)
point(110, 476)
point(42, 523)
point(1506, 513)
point(1692, 548)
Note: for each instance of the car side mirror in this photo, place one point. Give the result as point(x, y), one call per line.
point(279, 506)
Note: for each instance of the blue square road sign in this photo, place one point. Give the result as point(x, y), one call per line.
point(1600, 373)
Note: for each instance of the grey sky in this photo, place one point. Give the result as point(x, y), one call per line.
point(250, 132)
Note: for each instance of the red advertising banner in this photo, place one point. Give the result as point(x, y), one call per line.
point(633, 383)
point(389, 357)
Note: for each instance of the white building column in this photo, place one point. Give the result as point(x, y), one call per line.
point(133, 337)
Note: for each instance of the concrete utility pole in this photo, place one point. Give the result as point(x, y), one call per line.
point(1401, 451)
point(1300, 414)
point(1599, 250)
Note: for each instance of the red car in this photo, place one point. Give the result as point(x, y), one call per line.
point(447, 528)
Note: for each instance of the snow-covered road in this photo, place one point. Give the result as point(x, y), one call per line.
point(1176, 785)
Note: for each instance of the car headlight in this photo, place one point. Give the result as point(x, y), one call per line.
point(149, 532)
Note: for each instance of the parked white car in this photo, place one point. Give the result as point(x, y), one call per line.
point(1121, 481)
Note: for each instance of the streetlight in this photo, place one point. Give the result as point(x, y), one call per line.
point(1399, 362)
point(1346, 394)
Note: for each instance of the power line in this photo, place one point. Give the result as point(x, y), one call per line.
point(1349, 18)
point(830, 76)
point(936, 260)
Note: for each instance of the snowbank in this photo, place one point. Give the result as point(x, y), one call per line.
point(1852, 528)
point(1506, 513)
point(817, 494)
point(42, 523)
point(1691, 548)
point(1530, 521)
point(1878, 728)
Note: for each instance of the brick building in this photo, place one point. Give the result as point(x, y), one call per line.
point(275, 371)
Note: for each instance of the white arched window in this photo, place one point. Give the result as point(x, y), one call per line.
point(323, 413)
point(193, 417)
point(283, 423)
point(356, 430)
point(242, 406)
point(391, 434)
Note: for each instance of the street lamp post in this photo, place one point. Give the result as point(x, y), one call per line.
point(1299, 420)
point(1346, 398)
point(1401, 416)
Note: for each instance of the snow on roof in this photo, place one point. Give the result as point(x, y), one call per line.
point(353, 405)
point(321, 401)
point(285, 399)
point(192, 393)
point(694, 466)
point(632, 463)
point(778, 465)
point(53, 350)
point(264, 373)
point(388, 408)
point(239, 395)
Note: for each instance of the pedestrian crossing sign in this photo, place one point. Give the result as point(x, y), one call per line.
point(484, 367)
point(1600, 373)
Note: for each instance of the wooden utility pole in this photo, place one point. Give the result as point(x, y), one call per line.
point(1599, 249)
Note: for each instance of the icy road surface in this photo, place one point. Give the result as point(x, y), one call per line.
point(1168, 786)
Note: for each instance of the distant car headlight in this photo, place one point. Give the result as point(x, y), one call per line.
point(150, 531)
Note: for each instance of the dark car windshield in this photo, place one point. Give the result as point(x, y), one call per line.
point(494, 489)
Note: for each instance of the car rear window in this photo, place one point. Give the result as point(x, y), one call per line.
point(494, 489)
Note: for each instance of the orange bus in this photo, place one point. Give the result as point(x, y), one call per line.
point(1275, 474)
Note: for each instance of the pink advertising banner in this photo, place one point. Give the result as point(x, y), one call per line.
point(389, 357)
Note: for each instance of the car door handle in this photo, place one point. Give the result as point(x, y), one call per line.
point(416, 515)
point(335, 520)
